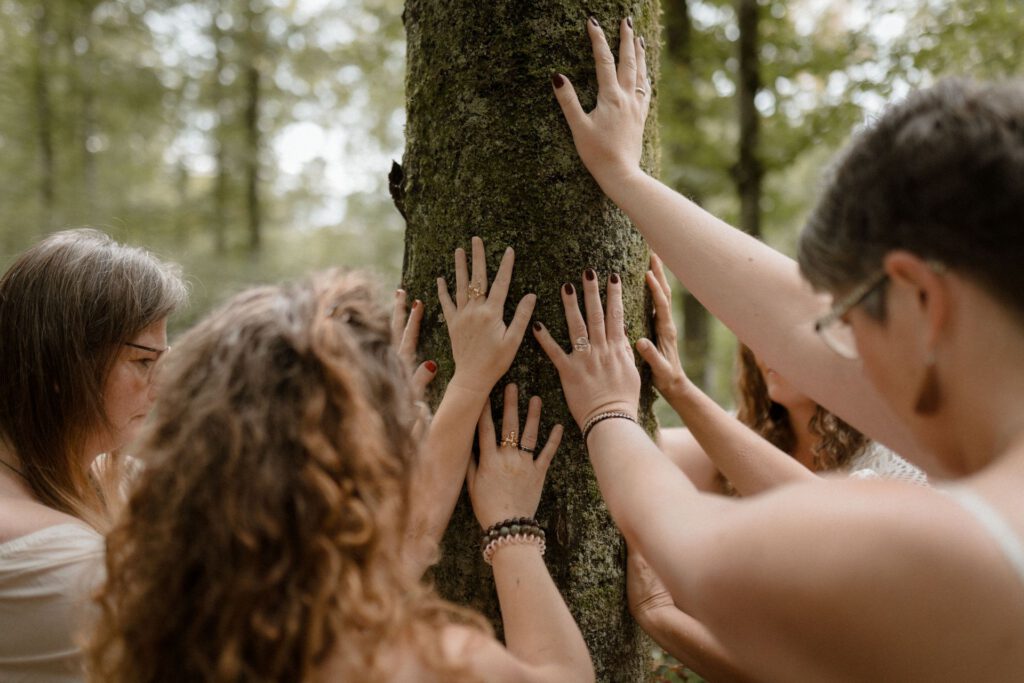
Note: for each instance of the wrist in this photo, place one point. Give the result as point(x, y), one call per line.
point(619, 179)
point(470, 387)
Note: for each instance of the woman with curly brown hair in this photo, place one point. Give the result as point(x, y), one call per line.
point(83, 321)
point(266, 537)
point(722, 454)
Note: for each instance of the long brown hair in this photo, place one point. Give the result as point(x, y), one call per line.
point(263, 537)
point(66, 306)
point(837, 442)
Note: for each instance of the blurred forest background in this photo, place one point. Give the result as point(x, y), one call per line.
point(250, 140)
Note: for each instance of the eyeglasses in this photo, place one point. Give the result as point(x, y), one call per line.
point(836, 332)
point(149, 363)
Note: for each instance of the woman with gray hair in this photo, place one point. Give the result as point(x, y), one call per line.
point(83, 321)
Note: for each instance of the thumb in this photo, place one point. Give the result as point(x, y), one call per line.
point(568, 101)
point(650, 353)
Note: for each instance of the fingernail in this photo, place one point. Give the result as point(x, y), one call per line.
point(643, 43)
point(593, 20)
point(431, 366)
point(589, 273)
point(417, 303)
point(568, 289)
point(537, 327)
point(399, 292)
point(614, 278)
point(629, 21)
point(557, 80)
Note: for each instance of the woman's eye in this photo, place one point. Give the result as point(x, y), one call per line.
point(145, 362)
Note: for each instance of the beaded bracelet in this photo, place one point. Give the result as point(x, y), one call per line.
point(511, 531)
point(601, 417)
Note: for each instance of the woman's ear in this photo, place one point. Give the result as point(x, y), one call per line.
point(923, 276)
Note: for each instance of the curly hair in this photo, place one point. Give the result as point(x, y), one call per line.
point(263, 538)
point(837, 442)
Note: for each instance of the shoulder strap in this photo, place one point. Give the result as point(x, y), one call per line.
point(994, 522)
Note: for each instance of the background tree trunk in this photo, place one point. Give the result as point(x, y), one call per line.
point(253, 136)
point(696, 337)
point(488, 153)
point(749, 170)
point(44, 116)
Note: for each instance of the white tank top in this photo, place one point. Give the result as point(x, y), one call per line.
point(994, 523)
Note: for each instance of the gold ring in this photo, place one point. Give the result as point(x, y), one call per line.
point(475, 291)
point(581, 344)
point(510, 440)
point(641, 91)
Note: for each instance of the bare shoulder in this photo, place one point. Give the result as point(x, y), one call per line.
point(853, 567)
point(20, 517)
point(683, 449)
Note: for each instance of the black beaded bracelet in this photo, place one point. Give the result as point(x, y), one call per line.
point(511, 527)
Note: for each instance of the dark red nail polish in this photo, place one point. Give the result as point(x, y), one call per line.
point(557, 80)
point(537, 327)
point(567, 287)
point(431, 365)
point(589, 274)
point(593, 20)
point(614, 278)
point(629, 21)
point(417, 303)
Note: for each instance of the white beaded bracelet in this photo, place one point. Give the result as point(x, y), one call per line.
point(517, 539)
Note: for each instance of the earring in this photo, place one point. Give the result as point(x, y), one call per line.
point(929, 397)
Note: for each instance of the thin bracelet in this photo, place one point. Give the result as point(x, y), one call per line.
point(517, 539)
point(601, 417)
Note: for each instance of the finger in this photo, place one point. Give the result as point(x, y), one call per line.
point(411, 334)
point(604, 61)
point(592, 301)
point(548, 452)
point(423, 375)
point(479, 266)
point(627, 56)
point(528, 441)
point(549, 345)
point(616, 320)
point(510, 412)
point(521, 318)
point(662, 307)
point(499, 288)
point(485, 429)
point(573, 317)
point(461, 277)
point(659, 269)
point(398, 317)
point(650, 353)
point(641, 72)
point(569, 102)
point(447, 305)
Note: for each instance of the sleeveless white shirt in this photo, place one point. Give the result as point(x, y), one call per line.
point(46, 578)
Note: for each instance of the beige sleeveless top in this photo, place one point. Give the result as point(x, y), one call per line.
point(46, 578)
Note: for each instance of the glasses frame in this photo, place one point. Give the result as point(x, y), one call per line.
point(844, 306)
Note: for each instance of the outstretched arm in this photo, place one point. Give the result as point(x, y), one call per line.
point(542, 639)
point(756, 291)
point(483, 348)
point(746, 459)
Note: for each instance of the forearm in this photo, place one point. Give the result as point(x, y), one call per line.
point(759, 294)
point(691, 643)
point(746, 459)
point(539, 629)
point(656, 507)
point(441, 471)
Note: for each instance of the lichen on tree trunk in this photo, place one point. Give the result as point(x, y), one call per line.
point(488, 153)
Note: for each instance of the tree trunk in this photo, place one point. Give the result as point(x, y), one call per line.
point(696, 337)
point(253, 137)
point(44, 116)
point(488, 153)
point(220, 132)
point(749, 171)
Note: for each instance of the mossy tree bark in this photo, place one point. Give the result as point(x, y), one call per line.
point(489, 153)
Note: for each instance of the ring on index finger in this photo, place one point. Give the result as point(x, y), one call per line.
point(581, 344)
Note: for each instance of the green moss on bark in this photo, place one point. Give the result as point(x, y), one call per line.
point(488, 153)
